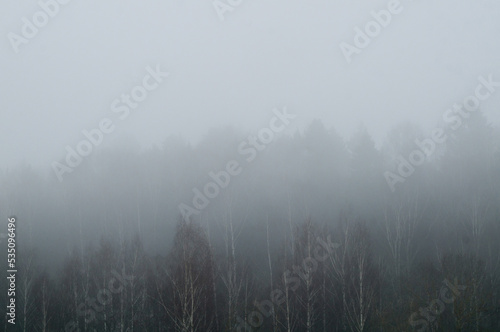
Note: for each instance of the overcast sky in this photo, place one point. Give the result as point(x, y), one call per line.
point(264, 54)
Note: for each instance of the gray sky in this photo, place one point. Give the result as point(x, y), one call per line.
point(265, 54)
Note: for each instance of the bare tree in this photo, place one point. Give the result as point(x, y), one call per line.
point(190, 275)
point(308, 295)
point(354, 275)
point(27, 270)
point(232, 275)
point(363, 281)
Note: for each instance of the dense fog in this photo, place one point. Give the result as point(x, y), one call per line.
point(232, 165)
point(387, 253)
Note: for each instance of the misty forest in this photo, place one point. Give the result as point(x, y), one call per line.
point(317, 232)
